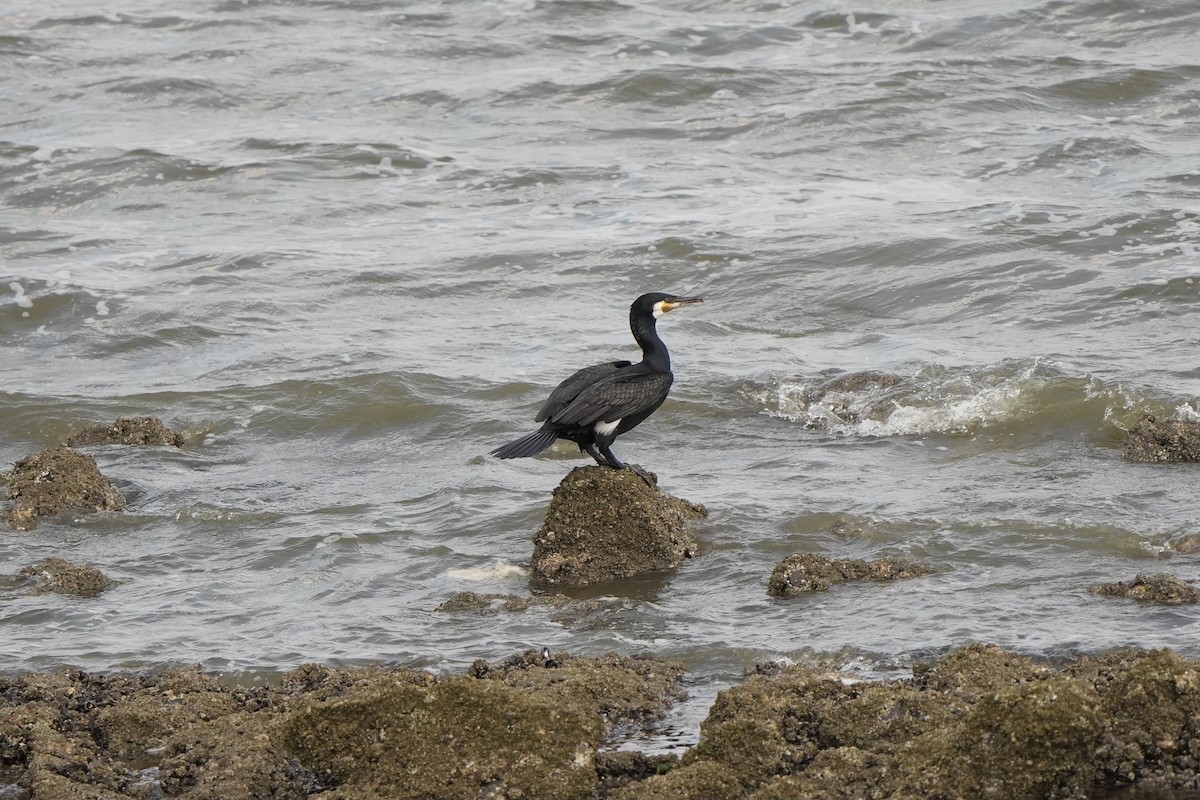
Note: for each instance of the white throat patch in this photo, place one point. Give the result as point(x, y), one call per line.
point(658, 309)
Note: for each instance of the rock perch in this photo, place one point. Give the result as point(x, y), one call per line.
point(605, 524)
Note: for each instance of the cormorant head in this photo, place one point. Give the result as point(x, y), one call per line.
point(656, 304)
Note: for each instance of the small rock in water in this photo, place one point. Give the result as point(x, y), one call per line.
point(61, 576)
point(1164, 589)
point(604, 524)
point(128, 430)
point(808, 572)
point(54, 481)
point(1155, 441)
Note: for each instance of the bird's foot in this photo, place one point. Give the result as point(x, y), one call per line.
point(649, 477)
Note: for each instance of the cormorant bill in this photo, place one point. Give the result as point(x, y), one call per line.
point(599, 403)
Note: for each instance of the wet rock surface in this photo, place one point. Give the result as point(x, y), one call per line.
point(525, 727)
point(55, 481)
point(63, 577)
point(127, 430)
point(488, 605)
point(977, 722)
point(808, 572)
point(624, 690)
point(1164, 589)
point(604, 524)
point(1154, 440)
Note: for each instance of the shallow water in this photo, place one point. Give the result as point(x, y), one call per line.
point(347, 248)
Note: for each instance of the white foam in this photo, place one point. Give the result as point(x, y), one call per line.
point(500, 569)
point(944, 402)
point(21, 299)
point(1186, 413)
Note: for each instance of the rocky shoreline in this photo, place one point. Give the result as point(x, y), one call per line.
point(976, 722)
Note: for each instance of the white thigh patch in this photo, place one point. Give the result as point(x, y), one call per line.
point(606, 428)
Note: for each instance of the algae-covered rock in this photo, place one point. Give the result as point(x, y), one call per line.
point(60, 575)
point(606, 523)
point(704, 780)
point(983, 724)
point(838, 773)
point(754, 728)
point(1164, 589)
point(1151, 704)
point(977, 669)
point(617, 768)
point(1154, 440)
point(54, 481)
point(808, 572)
point(617, 689)
point(178, 733)
point(127, 430)
point(461, 739)
point(1032, 740)
point(487, 605)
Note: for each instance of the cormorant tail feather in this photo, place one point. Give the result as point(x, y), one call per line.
point(527, 446)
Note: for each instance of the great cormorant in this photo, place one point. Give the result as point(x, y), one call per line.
point(599, 403)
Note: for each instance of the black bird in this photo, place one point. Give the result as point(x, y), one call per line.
point(599, 403)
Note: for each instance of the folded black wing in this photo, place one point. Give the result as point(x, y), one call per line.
point(568, 390)
point(616, 397)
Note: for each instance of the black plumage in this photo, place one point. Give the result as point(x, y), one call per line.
point(599, 403)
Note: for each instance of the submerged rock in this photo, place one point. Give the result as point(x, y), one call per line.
point(1154, 440)
point(854, 397)
point(1187, 544)
point(491, 604)
point(606, 523)
point(54, 481)
point(127, 430)
point(59, 575)
point(1164, 589)
point(808, 572)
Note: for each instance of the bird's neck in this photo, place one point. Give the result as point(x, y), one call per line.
point(654, 351)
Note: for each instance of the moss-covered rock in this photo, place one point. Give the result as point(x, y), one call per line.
point(1031, 740)
point(1151, 704)
point(838, 773)
point(62, 576)
point(975, 670)
point(808, 572)
point(55, 481)
point(1164, 589)
point(617, 689)
point(127, 430)
point(759, 729)
point(703, 780)
point(460, 739)
point(604, 524)
point(1154, 440)
point(980, 722)
point(617, 768)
